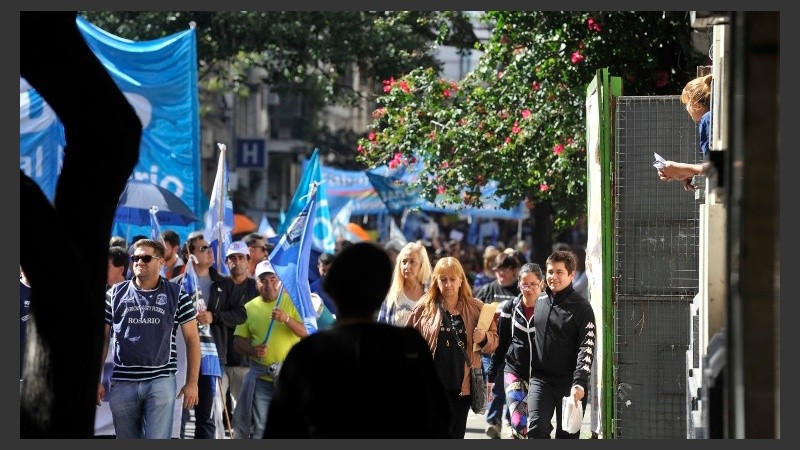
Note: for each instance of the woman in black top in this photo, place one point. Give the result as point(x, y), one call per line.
point(513, 354)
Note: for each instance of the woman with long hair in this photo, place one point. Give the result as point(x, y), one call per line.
point(447, 317)
point(412, 271)
point(513, 355)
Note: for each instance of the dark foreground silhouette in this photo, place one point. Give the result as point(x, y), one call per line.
point(64, 246)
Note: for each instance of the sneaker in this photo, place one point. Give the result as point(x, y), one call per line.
point(493, 430)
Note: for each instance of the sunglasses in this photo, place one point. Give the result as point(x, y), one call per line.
point(204, 249)
point(145, 258)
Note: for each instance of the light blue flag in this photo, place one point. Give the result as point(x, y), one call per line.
point(265, 229)
point(290, 259)
point(324, 240)
point(219, 217)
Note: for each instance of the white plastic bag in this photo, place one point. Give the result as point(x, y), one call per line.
point(571, 415)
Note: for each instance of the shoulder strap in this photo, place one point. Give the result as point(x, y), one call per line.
point(455, 335)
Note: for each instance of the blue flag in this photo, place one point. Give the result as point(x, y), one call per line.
point(219, 217)
point(290, 258)
point(323, 239)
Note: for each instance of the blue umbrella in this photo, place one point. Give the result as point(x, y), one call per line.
point(138, 197)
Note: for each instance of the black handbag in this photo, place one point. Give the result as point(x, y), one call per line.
point(477, 384)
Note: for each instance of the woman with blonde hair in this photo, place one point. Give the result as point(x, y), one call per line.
point(696, 95)
point(412, 271)
point(447, 318)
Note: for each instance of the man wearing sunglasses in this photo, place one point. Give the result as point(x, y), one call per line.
point(144, 314)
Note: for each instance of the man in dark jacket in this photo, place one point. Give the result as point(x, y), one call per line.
point(564, 348)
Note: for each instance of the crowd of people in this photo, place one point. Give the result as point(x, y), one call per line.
point(221, 351)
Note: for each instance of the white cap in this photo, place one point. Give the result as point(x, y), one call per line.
point(264, 267)
point(237, 247)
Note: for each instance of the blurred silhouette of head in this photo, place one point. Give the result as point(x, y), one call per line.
point(358, 280)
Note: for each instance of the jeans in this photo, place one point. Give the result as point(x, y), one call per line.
point(497, 407)
point(262, 397)
point(143, 409)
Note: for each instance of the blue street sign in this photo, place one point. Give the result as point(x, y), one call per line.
point(250, 153)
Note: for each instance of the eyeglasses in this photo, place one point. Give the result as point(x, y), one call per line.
point(145, 258)
point(204, 249)
point(525, 286)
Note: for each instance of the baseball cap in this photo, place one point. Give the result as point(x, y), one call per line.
point(264, 267)
point(237, 247)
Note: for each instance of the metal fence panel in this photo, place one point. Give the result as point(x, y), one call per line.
point(656, 246)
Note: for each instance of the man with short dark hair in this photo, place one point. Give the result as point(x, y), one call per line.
point(144, 314)
point(324, 262)
point(118, 260)
point(359, 365)
point(256, 244)
point(564, 336)
point(173, 263)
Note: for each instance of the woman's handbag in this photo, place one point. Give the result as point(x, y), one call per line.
point(477, 384)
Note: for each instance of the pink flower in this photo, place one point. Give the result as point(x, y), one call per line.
point(453, 85)
point(544, 187)
point(446, 93)
point(360, 149)
point(593, 25)
point(515, 128)
point(387, 88)
point(558, 149)
point(577, 58)
point(404, 86)
point(445, 165)
point(569, 141)
point(526, 113)
point(508, 140)
point(371, 137)
point(536, 86)
point(392, 164)
point(440, 190)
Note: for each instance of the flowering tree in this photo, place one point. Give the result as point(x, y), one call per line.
point(519, 117)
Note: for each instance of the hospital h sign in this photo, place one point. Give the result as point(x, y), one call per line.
point(250, 153)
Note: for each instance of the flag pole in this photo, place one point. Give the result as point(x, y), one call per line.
point(271, 320)
point(221, 204)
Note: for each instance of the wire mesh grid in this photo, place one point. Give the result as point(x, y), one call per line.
point(650, 368)
point(656, 246)
point(655, 223)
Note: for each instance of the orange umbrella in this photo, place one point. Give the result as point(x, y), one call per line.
point(243, 224)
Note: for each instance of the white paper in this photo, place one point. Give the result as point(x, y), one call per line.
point(660, 162)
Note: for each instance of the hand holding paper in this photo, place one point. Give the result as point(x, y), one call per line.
point(660, 162)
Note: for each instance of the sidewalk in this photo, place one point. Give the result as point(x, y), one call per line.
point(476, 426)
